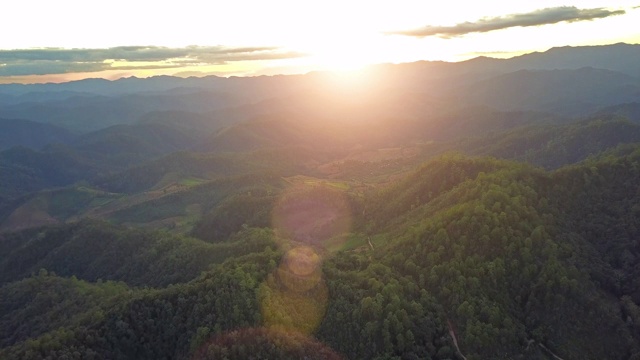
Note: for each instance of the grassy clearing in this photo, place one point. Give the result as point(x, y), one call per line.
point(345, 242)
point(311, 181)
point(191, 181)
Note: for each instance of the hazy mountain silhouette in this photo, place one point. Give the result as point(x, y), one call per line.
point(31, 134)
point(629, 110)
point(569, 92)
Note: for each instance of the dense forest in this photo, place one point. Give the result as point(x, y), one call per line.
point(310, 226)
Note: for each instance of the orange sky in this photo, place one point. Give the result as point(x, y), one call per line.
point(285, 36)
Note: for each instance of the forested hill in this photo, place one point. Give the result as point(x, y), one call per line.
point(30, 134)
point(509, 260)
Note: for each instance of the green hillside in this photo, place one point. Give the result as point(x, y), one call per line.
point(508, 259)
point(92, 250)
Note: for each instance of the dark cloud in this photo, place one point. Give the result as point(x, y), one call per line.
point(43, 67)
point(535, 18)
point(58, 61)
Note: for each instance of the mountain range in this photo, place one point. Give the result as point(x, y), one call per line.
point(487, 209)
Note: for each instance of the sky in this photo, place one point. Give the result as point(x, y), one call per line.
point(62, 40)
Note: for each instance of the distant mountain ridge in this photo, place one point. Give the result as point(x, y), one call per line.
point(620, 57)
point(568, 92)
point(570, 81)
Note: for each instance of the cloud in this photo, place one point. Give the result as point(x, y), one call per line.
point(534, 18)
point(60, 61)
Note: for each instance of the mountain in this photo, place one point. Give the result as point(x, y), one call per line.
point(199, 124)
point(90, 112)
point(87, 250)
point(25, 170)
point(31, 134)
point(134, 85)
point(568, 92)
point(127, 145)
point(621, 57)
point(124, 100)
point(554, 146)
point(96, 154)
point(630, 111)
point(332, 123)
